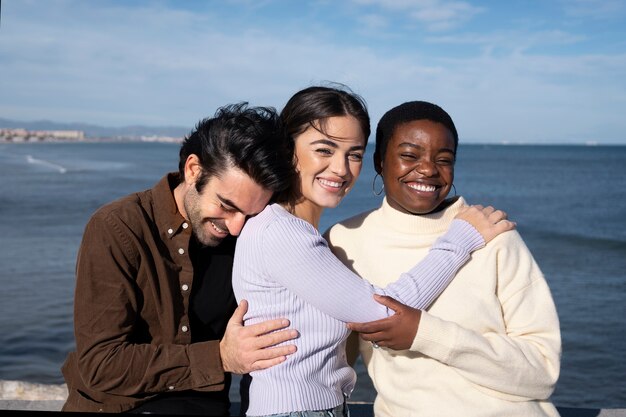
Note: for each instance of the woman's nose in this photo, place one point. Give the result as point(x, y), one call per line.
point(339, 165)
point(426, 167)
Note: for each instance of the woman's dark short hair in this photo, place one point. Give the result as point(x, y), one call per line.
point(409, 112)
point(251, 139)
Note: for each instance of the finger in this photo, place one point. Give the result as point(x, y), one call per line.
point(239, 313)
point(496, 216)
point(487, 211)
point(370, 327)
point(266, 327)
point(477, 206)
point(268, 363)
point(388, 302)
point(272, 339)
point(266, 358)
point(383, 343)
point(505, 225)
point(374, 337)
point(273, 352)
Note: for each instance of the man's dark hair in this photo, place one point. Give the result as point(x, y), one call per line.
point(409, 112)
point(251, 139)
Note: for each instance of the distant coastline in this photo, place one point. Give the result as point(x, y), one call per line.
point(175, 134)
point(178, 140)
point(84, 132)
point(21, 135)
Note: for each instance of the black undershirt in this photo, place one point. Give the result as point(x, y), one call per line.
point(211, 305)
point(212, 300)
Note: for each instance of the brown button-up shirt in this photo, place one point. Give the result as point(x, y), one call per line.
point(134, 280)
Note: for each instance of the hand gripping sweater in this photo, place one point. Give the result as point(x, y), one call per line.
point(284, 268)
point(488, 346)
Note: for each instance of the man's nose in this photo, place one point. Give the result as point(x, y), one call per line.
point(235, 223)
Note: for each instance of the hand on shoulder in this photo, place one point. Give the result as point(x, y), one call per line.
point(487, 220)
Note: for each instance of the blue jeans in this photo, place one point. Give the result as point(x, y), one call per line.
point(340, 411)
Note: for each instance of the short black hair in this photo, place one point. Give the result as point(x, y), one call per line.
point(409, 112)
point(251, 139)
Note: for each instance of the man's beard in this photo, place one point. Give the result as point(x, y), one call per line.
point(205, 238)
point(198, 224)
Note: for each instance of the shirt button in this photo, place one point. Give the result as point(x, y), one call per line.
point(171, 387)
point(170, 231)
point(181, 251)
point(185, 287)
point(185, 225)
point(184, 329)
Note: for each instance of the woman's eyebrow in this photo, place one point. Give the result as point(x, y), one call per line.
point(418, 147)
point(325, 142)
point(334, 144)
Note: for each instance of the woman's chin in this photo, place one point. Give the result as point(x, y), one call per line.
point(331, 202)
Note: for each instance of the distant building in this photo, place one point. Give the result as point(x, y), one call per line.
point(23, 135)
point(155, 138)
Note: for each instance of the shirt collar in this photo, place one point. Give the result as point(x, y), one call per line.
point(168, 219)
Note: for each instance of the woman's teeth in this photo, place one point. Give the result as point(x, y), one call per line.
point(329, 183)
point(422, 187)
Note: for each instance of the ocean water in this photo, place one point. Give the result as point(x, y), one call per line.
point(569, 203)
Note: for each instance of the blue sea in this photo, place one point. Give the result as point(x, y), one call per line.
point(569, 203)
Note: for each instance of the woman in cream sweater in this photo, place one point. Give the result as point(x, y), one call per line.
point(490, 343)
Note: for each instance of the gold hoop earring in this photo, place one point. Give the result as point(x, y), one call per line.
point(374, 185)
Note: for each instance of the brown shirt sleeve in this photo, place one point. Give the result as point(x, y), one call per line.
point(125, 324)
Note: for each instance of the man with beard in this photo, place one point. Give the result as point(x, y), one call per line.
point(153, 293)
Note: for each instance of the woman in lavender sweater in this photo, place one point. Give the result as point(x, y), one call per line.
point(284, 268)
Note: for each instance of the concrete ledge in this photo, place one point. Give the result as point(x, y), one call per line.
point(356, 409)
point(28, 397)
point(26, 405)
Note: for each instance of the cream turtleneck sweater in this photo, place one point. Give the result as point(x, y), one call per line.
point(488, 346)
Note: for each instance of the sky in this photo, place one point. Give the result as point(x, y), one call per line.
point(517, 71)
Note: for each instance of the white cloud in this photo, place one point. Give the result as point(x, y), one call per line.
point(510, 40)
point(435, 15)
point(595, 9)
point(373, 22)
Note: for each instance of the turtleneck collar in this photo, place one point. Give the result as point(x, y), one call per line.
point(437, 222)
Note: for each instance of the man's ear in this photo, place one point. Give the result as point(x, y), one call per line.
point(193, 169)
point(378, 163)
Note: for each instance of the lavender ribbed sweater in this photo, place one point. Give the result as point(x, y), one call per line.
point(284, 268)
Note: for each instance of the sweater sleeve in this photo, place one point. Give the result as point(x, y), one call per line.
point(521, 363)
point(297, 257)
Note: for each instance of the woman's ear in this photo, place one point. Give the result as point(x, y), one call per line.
point(378, 163)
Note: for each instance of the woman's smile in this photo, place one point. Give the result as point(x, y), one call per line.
point(331, 185)
point(421, 187)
